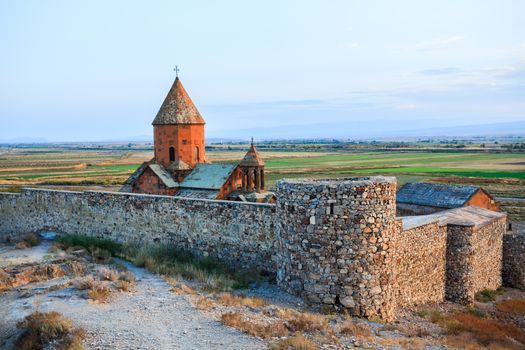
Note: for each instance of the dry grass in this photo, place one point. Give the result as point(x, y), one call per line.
point(203, 303)
point(355, 329)
point(40, 329)
point(101, 255)
point(99, 293)
point(412, 344)
point(76, 268)
point(484, 331)
point(127, 276)
point(83, 283)
point(264, 331)
point(106, 274)
point(307, 322)
point(124, 286)
point(182, 289)
point(229, 299)
point(512, 306)
point(297, 342)
point(32, 239)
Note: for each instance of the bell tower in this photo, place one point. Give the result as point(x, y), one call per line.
point(178, 131)
point(252, 171)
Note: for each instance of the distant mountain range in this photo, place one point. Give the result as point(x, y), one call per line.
point(360, 130)
point(380, 129)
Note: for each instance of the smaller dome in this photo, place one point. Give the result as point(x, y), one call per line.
point(252, 158)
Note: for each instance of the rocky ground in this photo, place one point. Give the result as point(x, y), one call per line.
point(149, 317)
point(166, 313)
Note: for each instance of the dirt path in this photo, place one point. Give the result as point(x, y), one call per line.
point(151, 317)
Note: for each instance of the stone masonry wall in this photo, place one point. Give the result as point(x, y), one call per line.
point(474, 259)
point(419, 264)
point(514, 260)
point(241, 234)
point(333, 242)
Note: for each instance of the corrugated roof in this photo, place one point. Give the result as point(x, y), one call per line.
point(435, 195)
point(178, 108)
point(464, 216)
point(163, 175)
point(196, 193)
point(208, 176)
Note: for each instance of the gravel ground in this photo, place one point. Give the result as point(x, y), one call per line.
point(151, 317)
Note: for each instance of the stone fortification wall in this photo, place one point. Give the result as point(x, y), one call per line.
point(334, 242)
point(241, 234)
point(474, 259)
point(330, 241)
point(514, 260)
point(419, 264)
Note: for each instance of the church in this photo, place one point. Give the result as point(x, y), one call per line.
point(180, 167)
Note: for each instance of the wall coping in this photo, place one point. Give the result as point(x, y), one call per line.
point(344, 181)
point(142, 195)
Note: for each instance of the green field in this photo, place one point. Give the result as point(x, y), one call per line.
point(41, 166)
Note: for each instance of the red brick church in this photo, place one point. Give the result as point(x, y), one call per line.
point(180, 167)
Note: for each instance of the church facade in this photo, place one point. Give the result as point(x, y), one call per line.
point(180, 166)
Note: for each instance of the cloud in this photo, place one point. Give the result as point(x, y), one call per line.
point(352, 45)
point(440, 43)
point(441, 71)
point(406, 106)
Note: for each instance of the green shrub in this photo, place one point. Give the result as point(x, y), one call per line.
point(487, 295)
point(167, 261)
point(90, 243)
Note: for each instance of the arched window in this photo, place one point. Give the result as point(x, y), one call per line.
point(172, 154)
point(197, 155)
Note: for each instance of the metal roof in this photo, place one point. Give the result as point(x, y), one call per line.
point(435, 195)
point(136, 174)
point(465, 216)
point(208, 176)
point(163, 175)
point(178, 108)
point(196, 193)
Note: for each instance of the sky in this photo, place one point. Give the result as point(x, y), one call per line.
point(99, 70)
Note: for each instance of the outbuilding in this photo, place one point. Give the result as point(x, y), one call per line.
point(421, 198)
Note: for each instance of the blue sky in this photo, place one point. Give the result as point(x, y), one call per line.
point(98, 70)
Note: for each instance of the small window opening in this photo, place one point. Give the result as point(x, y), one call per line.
point(172, 154)
point(197, 155)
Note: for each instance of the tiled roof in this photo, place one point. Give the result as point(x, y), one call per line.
point(163, 175)
point(208, 176)
point(464, 216)
point(178, 108)
point(252, 158)
point(435, 195)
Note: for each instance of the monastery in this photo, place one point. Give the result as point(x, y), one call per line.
point(180, 167)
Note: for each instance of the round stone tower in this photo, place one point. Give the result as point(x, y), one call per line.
point(334, 242)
